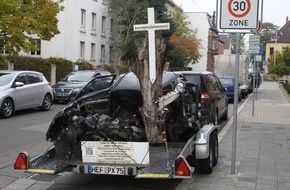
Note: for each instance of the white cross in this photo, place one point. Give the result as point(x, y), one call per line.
point(151, 27)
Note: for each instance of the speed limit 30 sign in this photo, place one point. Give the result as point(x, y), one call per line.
point(239, 14)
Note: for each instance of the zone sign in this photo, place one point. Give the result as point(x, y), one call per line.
point(239, 14)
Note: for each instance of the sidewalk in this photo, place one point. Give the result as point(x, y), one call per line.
point(262, 151)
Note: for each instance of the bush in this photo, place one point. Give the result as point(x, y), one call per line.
point(271, 77)
point(63, 66)
point(31, 63)
point(3, 64)
point(84, 65)
point(287, 87)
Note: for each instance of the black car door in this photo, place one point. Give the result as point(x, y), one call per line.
point(220, 95)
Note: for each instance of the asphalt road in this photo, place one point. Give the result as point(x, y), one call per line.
point(26, 131)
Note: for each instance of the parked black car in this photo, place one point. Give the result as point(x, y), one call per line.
point(258, 81)
point(66, 89)
point(213, 95)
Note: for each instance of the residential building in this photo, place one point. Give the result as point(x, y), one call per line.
point(171, 6)
point(278, 42)
point(205, 26)
point(84, 33)
point(227, 44)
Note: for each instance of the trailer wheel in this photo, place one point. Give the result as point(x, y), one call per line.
point(215, 147)
point(205, 166)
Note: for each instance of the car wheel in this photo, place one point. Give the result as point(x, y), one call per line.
point(47, 102)
point(215, 119)
point(215, 147)
point(243, 95)
point(225, 117)
point(7, 108)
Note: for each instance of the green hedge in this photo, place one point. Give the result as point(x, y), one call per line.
point(63, 66)
point(3, 64)
point(287, 87)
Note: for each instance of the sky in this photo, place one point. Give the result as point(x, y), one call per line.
point(274, 11)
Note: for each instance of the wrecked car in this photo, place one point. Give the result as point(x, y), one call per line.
point(108, 109)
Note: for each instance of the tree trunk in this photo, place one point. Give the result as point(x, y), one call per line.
point(150, 92)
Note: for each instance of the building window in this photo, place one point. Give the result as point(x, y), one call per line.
point(111, 58)
point(82, 50)
point(83, 18)
point(93, 49)
point(103, 53)
point(112, 26)
point(38, 46)
point(94, 21)
point(271, 51)
point(103, 24)
point(214, 45)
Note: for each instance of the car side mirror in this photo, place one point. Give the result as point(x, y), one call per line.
point(18, 84)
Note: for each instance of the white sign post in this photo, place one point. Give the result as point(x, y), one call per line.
point(238, 16)
point(151, 27)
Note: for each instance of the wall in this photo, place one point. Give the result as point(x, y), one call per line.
point(199, 21)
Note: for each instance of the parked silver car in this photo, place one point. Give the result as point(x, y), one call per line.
point(22, 90)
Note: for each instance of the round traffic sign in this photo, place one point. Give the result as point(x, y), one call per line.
point(239, 8)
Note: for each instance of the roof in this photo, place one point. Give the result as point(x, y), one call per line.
point(193, 72)
point(284, 33)
point(18, 71)
point(172, 3)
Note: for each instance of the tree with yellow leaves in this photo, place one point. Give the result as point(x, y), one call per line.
point(21, 21)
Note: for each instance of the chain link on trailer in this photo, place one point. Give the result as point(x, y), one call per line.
point(161, 124)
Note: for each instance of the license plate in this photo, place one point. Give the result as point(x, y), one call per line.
point(110, 170)
point(61, 94)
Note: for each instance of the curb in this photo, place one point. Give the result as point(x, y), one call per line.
point(284, 92)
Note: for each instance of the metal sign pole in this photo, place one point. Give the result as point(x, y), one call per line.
point(253, 90)
point(235, 116)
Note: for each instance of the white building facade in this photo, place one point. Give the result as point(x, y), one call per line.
point(85, 28)
point(199, 21)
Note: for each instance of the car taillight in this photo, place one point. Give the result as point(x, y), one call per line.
point(21, 162)
point(205, 97)
point(181, 167)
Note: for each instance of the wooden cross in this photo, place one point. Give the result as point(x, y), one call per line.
point(151, 27)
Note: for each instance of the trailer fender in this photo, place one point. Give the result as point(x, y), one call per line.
point(202, 141)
